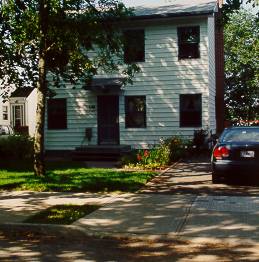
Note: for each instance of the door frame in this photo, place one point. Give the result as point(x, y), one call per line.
point(117, 137)
point(22, 112)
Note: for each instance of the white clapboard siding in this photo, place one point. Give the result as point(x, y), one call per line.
point(2, 120)
point(162, 79)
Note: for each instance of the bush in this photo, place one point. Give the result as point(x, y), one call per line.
point(161, 155)
point(16, 147)
point(179, 147)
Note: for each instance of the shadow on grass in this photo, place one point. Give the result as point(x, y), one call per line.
point(62, 214)
point(74, 178)
point(27, 165)
point(10, 186)
point(95, 180)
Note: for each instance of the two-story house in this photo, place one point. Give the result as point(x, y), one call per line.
point(179, 89)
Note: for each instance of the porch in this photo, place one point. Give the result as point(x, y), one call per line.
point(100, 152)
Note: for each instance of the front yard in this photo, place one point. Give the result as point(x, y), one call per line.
point(74, 177)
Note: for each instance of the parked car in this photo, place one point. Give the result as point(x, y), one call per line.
point(236, 153)
point(6, 131)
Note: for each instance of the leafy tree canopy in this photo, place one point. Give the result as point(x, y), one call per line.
point(74, 28)
point(241, 35)
point(230, 6)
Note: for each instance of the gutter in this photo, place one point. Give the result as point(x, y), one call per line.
point(171, 15)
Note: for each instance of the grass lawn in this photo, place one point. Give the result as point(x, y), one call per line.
point(73, 177)
point(62, 214)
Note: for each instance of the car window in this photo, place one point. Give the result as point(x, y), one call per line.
point(241, 135)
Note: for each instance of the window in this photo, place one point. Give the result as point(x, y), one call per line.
point(190, 110)
point(134, 46)
point(18, 115)
point(5, 112)
point(135, 111)
point(188, 42)
point(57, 113)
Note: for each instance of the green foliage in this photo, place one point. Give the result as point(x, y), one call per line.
point(74, 29)
point(62, 214)
point(230, 6)
point(16, 147)
point(74, 179)
point(241, 36)
point(199, 138)
point(160, 155)
point(178, 147)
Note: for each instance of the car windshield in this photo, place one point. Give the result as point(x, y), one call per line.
point(241, 135)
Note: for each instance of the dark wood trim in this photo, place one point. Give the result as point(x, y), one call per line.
point(116, 127)
point(220, 77)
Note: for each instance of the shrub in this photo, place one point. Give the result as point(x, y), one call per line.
point(16, 147)
point(178, 147)
point(199, 138)
point(159, 155)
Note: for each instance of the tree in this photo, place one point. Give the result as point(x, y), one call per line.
point(49, 42)
point(231, 6)
point(241, 36)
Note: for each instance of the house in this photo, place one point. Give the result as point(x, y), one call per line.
point(179, 49)
point(4, 112)
point(22, 110)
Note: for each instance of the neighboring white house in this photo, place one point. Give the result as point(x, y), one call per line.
point(22, 110)
point(175, 46)
point(4, 112)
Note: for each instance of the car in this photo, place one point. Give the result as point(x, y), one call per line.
point(236, 154)
point(6, 131)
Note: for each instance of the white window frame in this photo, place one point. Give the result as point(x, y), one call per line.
point(22, 114)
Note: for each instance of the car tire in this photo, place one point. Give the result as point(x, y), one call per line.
point(215, 178)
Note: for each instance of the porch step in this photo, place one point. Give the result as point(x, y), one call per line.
point(100, 153)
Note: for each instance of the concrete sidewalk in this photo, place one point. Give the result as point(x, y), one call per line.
point(148, 214)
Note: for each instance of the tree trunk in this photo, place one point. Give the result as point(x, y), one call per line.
point(39, 162)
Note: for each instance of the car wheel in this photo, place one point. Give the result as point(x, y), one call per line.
point(215, 178)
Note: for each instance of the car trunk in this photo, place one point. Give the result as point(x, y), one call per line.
point(244, 152)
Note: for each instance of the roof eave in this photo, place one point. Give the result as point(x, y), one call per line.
point(172, 15)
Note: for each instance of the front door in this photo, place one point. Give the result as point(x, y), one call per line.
point(108, 120)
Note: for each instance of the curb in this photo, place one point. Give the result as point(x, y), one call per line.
point(68, 231)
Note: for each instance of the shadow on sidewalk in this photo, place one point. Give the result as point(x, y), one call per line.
point(32, 246)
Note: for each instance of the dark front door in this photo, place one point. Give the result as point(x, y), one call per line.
point(108, 120)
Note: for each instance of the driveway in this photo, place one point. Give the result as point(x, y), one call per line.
point(194, 177)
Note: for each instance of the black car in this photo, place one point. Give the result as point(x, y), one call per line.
point(236, 153)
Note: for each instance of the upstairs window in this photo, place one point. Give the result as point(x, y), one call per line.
point(190, 110)
point(57, 113)
point(5, 112)
point(135, 111)
point(188, 42)
point(134, 46)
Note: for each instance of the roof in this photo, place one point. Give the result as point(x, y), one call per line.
point(22, 92)
point(171, 8)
